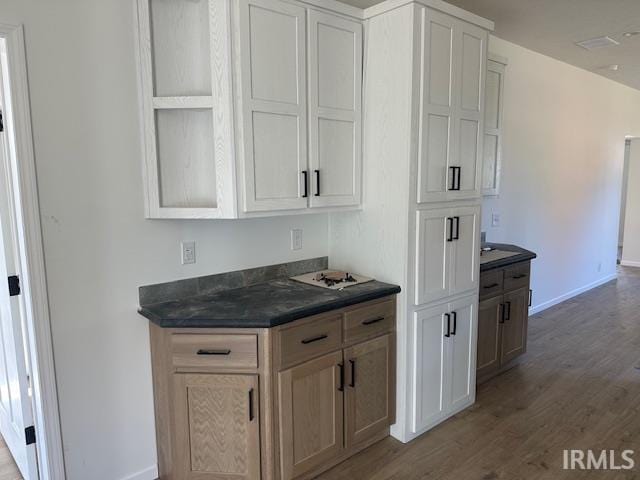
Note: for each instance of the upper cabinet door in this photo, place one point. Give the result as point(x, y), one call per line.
point(494, 91)
point(450, 135)
point(274, 107)
point(335, 114)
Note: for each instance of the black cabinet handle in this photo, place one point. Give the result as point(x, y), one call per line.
point(508, 304)
point(341, 387)
point(251, 415)
point(530, 297)
point(317, 183)
point(519, 276)
point(455, 322)
point(450, 227)
point(503, 310)
point(493, 285)
point(457, 237)
point(456, 173)
point(313, 339)
point(214, 352)
point(372, 321)
point(353, 373)
point(448, 334)
point(305, 174)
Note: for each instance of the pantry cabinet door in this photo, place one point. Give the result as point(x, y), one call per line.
point(465, 263)
point(462, 344)
point(274, 106)
point(492, 158)
point(431, 330)
point(335, 114)
point(434, 247)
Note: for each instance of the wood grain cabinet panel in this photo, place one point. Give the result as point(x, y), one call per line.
point(369, 321)
point(370, 391)
point(311, 414)
point(217, 430)
point(301, 342)
point(489, 336)
point(514, 328)
point(222, 351)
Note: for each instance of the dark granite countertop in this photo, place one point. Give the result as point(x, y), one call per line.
point(522, 256)
point(260, 306)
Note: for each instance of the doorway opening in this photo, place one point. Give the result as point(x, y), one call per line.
point(29, 417)
point(629, 231)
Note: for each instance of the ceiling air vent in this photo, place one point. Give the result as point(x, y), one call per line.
point(598, 42)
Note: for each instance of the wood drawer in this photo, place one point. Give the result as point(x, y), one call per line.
point(310, 339)
point(517, 276)
point(208, 350)
point(370, 320)
point(491, 283)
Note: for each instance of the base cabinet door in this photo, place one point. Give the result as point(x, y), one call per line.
point(370, 390)
point(462, 346)
point(311, 414)
point(217, 427)
point(514, 328)
point(489, 336)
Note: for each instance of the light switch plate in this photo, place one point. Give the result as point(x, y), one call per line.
point(188, 252)
point(495, 220)
point(296, 239)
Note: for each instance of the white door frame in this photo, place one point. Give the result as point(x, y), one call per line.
point(33, 279)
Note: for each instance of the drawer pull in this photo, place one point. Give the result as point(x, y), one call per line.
point(493, 285)
point(372, 321)
point(214, 352)
point(313, 339)
point(518, 277)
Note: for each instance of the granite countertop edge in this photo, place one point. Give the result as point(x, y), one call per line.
point(271, 320)
point(523, 256)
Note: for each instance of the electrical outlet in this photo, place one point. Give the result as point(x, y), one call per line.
point(495, 220)
point(296, 239)
point(188, 252)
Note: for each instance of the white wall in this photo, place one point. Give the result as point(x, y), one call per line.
point(631, 243)
point(98, 247)
point(625, 186)
point(563, 151)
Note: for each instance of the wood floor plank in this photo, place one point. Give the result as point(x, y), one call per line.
point(578, 387)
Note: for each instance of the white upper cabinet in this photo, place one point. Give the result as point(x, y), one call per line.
point(494, 92)
point(450, 140)
point(335, 112)
point(249, 106)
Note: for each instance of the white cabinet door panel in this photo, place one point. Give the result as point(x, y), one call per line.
point(466, 250)
point(429, 366)
point(492, 159)
point(468, 138)
point(462, 346)
point(274, 108)
point(335, 113)
point(471, 70)
point(433, 252)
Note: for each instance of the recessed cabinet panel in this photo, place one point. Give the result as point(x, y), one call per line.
point(437, 141)
point(489, 338)
point(336, 147)
point(186, 165)
point(463, 352)
point(440, 58)
point(274, 53)
point(464, 276)
point(275, 156)
point(433, 255)
point(471, 80)
point(337, 54)
point(180, 46)
point(492, 96)
point(468, 154)
point(514, 327)
point(490, 162)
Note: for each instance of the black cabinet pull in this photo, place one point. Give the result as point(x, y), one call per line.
point(519, 276)
point(493, 285)
point(530, 297)
point(508, 304)
point(313, 339)
point(353, 373)
point(457, 237)
point(317, 183)
point(341, 387)
point(455, 178)
point(214, 352)
point(455, 322)
point(305, 174)
point(372, 321)
point(450, 227)
point(503, 310)
point(251, 415)
point(448, 334)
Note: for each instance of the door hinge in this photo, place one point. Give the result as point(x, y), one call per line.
point(30, 435)
point(14, 285)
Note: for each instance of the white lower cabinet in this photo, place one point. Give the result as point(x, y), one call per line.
point(444, 361)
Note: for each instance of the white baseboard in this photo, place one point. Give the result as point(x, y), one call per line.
point(150, 473)
point(572, 293)
point(628, 263)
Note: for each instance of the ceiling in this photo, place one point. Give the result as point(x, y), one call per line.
point(552, 27)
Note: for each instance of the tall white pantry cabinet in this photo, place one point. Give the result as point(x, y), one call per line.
point(423, 93)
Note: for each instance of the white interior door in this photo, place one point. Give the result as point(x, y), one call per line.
point(15, 400)
point(335, 115)
point(273, 52)
point(462, 362)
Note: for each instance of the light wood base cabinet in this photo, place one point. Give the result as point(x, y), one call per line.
point(282, 403)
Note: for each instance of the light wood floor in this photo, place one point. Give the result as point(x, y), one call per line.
point(578, 387)
point(8, 468)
